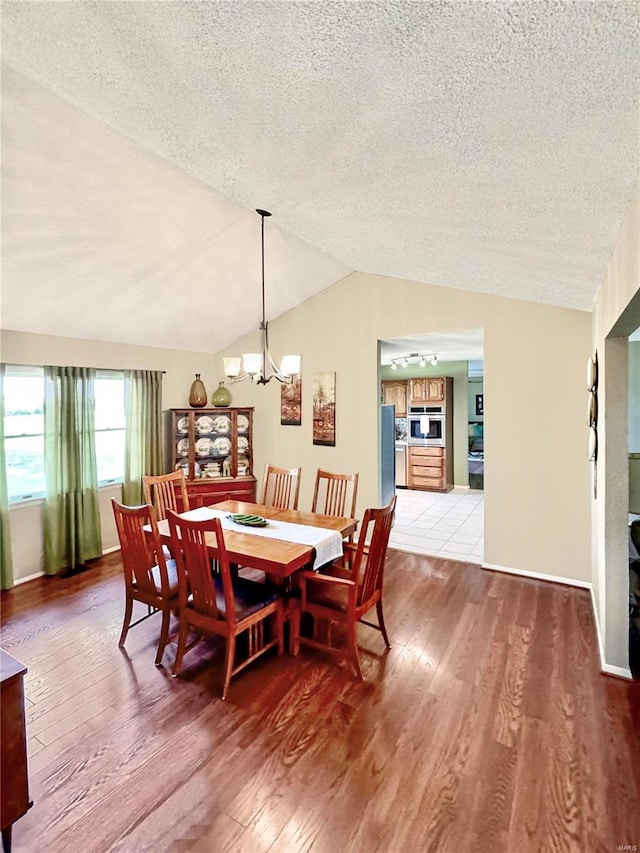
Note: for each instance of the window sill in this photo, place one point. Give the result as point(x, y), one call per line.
point(26, 502)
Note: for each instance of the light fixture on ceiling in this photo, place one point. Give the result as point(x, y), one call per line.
point(260, 366)
point(420, 356)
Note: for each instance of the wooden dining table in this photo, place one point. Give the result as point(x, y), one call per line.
point(277, 558)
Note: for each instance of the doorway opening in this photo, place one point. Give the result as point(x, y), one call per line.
point(439, 473)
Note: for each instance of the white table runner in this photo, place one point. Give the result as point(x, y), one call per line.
point(327, 543)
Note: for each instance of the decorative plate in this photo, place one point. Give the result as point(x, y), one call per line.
point(204, 447)
point(183, 424)
point(182, 447)
point(222, 424)
point(222, 445)
point(243, 444)
point(249, 520)
point(243, 423)
point(185, 467)
point(204, 424)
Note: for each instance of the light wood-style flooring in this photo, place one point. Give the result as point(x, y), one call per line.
point(487, 727)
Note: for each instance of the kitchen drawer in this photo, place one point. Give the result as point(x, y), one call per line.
point(427, 451)
point(427, 462)
point(425, 482)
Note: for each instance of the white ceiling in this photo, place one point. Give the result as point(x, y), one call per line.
point(455, 345)
point(489, 146)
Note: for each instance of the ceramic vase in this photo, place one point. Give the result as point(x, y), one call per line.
point(221, 396)
point(197, 393)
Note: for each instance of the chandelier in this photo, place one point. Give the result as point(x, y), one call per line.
point(260, 366)
point(422, 357)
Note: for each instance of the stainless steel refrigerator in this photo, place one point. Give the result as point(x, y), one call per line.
point(387, 453)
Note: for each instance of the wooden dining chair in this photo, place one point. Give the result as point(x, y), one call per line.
point(335, 494)
point(163, 491)
point(281, 487)
point(149, 577)
point(345, 592)
point(219, 604)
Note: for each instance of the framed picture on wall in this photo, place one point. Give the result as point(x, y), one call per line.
point(291, 402)
point(324, 408)
point(479, 404)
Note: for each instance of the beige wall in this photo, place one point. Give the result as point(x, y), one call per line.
point(536, 475)
point(616, 314)
point(536, 479)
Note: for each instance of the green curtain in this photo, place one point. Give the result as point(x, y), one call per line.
point(6, 564)
point(71, 513)
point(143, 431)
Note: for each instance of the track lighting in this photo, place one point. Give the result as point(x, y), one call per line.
point(420, 356)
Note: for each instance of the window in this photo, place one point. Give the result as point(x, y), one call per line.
point(24, 430)
point(110, 426)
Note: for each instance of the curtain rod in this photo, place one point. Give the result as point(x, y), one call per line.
point(120, 369)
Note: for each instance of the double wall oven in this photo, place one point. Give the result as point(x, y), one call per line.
point(426, 426)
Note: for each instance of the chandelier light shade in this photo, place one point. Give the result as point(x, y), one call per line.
point(260, 366)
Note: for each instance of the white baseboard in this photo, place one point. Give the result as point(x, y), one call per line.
point(618, 671)
point(598, 629)
point(538, 576)
point(609, 669)
point(18, 581)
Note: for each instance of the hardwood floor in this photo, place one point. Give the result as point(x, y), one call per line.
point(487, 727)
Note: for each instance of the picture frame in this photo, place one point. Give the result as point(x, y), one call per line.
point(291, 402)
point(324, 408)
point(480, 404)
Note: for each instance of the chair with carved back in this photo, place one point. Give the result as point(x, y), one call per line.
point(345, 592)
point(163, 491)
point(281, 487)
point(149, 576)
point(220, 604)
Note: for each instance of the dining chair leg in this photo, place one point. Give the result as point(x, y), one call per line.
point(164, 634)
point(228, 665)
point(294, 638)
point(353, 649)
point(382, 625)
point(182, 642)
point(128, 610)
point(280, 629)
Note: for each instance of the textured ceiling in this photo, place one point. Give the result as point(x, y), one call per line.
point(485, 146)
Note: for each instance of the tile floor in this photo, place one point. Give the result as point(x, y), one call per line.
point(442, 525)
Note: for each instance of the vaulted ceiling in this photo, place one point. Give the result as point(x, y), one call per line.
point(487, 146)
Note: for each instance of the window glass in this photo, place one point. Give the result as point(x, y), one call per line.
point(23, 429)
point(109, 426)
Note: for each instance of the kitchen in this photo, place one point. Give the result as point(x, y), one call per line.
point(435, 382)
point(423, 431)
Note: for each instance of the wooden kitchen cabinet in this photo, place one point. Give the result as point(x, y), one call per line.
point(14, 789)
point(430, 468)
point(427, 389)
point(395, 394)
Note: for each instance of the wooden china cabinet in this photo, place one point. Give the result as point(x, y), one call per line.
point(214, 447)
